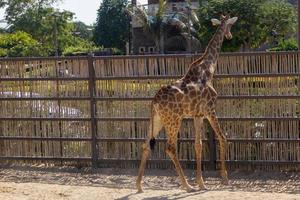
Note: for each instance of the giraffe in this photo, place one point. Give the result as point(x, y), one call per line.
point(191, 96)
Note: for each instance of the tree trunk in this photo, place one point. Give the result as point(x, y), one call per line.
point(161, 44)
point(157, 45)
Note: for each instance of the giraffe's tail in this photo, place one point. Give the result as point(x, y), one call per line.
point(152, 143)
point(155, 126)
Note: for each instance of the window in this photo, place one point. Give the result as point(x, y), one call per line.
point(142, 50)
point(151, 49)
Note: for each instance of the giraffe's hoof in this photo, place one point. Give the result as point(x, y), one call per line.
point(139, 187)
point(140, 190)
point(224, 177)
point(225, 181)
point(189, 188)
point(200, 183)
point(202, 187)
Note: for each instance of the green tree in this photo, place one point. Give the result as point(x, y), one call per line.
point(80, 46)
point(14, 9)
point(82, 43)
point(258, 19)
point(279, 20)
point(60, 28)
point(20, 44)
point(83, 31)
point(285, 45)
point(112, 25)
point(52, 28)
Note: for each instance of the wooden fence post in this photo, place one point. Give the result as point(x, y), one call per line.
point(93, 109)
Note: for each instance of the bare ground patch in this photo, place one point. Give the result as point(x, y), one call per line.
point(41, 182)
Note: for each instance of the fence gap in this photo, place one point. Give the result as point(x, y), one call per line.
point(212, 150)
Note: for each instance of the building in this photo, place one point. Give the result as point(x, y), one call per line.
point(143, 44)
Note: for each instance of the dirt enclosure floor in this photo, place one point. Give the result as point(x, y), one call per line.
point(41, 182)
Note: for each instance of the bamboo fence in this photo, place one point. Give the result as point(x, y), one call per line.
point(96, 109)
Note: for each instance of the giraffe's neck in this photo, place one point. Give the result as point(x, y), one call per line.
point(213, 48)
point(209, 58)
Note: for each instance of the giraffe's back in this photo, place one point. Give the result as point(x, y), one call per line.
point(193, 99)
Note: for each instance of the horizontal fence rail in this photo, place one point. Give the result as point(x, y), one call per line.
point(220, 118)
point(142, 98)
point(96, 110)
point(143, 139)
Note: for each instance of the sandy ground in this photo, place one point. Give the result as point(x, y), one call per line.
point(40, 182)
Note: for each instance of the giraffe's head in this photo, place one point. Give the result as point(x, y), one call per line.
point(227, 23)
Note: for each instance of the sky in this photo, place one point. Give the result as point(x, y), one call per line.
point(85, 11)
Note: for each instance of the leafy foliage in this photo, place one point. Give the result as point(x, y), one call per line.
point(112, 25)
point(46, 25)
point(286, 45)
point(80, 46)
point(15, 9)
point(20, 44)
point(257, 20)
point(83, 31)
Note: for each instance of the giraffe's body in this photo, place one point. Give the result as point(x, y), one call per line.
point(192, 96)
point(189, 101)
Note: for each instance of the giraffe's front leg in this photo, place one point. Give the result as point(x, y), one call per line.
point(199, 127)
point(171, 151)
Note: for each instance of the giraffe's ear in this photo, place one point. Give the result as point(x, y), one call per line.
point(232, 20)
point(215, 22)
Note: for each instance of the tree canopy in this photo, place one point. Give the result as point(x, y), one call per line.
point(83, 31)
point(260, 21)
point(53, 29)
point(15, 9)
point(268, 23)
point(47, 26)
point(20, 44)
point(112, 25)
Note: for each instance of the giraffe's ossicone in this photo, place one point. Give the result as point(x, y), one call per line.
point(192, 96)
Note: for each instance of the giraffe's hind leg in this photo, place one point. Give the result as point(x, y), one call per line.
point(154, 128)
point(223, 145)
point(172, 131)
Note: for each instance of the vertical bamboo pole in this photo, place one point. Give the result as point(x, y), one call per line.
point(93, 109)
point(58, 74)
